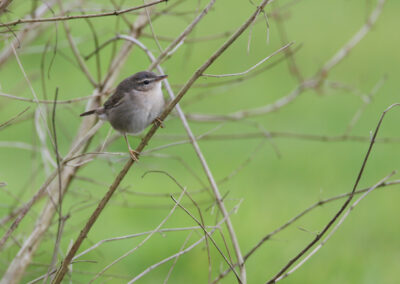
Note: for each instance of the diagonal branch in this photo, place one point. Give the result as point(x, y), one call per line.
point(317, 204)
point(340, 222)
point(64, 266)
point(344, 206)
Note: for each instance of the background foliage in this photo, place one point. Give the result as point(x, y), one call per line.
point(273, 187)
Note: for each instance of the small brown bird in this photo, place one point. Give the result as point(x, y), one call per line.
point(136, 103)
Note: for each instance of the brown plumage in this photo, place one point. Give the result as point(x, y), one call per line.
point(136, 103)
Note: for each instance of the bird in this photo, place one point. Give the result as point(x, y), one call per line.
point(137, 102)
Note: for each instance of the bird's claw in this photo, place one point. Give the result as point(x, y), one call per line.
point(134, 155)
point(157, 121)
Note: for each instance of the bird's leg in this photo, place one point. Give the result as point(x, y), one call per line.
point(134, 154)
point(158, 122)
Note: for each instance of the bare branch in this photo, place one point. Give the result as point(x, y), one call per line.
point(68, 18)
point(182, 252)
point(313, 83)
point(282, 135)
point(63, 269)
point(345, 50)
point(165, 230)
point(340, 222)
point(344, 206)
point(209, 236)
point(176, 258)
point(10, 121)
point(157, 229)
point(300, 215)
point(254, 66)
point(76, 52)
point(4, 4)
point(12, 97)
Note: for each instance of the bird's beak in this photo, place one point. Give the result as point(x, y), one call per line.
point(162, 77)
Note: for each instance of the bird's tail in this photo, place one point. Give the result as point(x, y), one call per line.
point(93, 111)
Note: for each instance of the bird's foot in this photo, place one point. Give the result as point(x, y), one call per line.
point(157, 121)
point(134, 155)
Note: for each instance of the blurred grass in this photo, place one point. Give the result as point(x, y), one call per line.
point(364, 250)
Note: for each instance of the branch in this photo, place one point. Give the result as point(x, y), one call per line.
point(254, 66)
point(279, 134)
point(345, 50)
point(344, 206)
point(76, 52)
point(209, 236)
point(297, 217)
point(157, 229)
point(340, 222)
point(10, 121)
point(313, 83)
point(181, 252)
point(3, 5)
point(63, 269)
point(12, 97)
point(68, 18)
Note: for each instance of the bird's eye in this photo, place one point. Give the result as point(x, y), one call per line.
point(146, 82)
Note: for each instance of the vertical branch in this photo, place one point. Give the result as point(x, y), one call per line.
point(280, 24)
point(75, 50)
point(96, 45)
point(60, 196)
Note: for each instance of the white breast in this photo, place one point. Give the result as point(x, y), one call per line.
point(153, 98)
point(150, 104)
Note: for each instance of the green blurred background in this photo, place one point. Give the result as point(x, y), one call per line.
point(272, 188)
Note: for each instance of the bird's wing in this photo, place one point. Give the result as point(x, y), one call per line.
point(115, 100)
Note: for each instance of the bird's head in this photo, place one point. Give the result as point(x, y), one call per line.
point(146, 81)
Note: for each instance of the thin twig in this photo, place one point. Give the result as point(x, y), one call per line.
point(76, 52)
point(317, 204)
point(281, 135)
point(254, 66)
point(157, 229)
point(10, 121)
point(349, 46)
point(340, 222)
point(180, 253)
point(49, 101)
point(202, 223)
point(209, 236)
point(176, 258)
point(26, 35)
point(366, 101)
point(165, 230)
point(292, 64)
point(313, 83)
point(68, 18)
point(61, 220)
point(96, 45)
point(343, 207)
point(182, 36)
